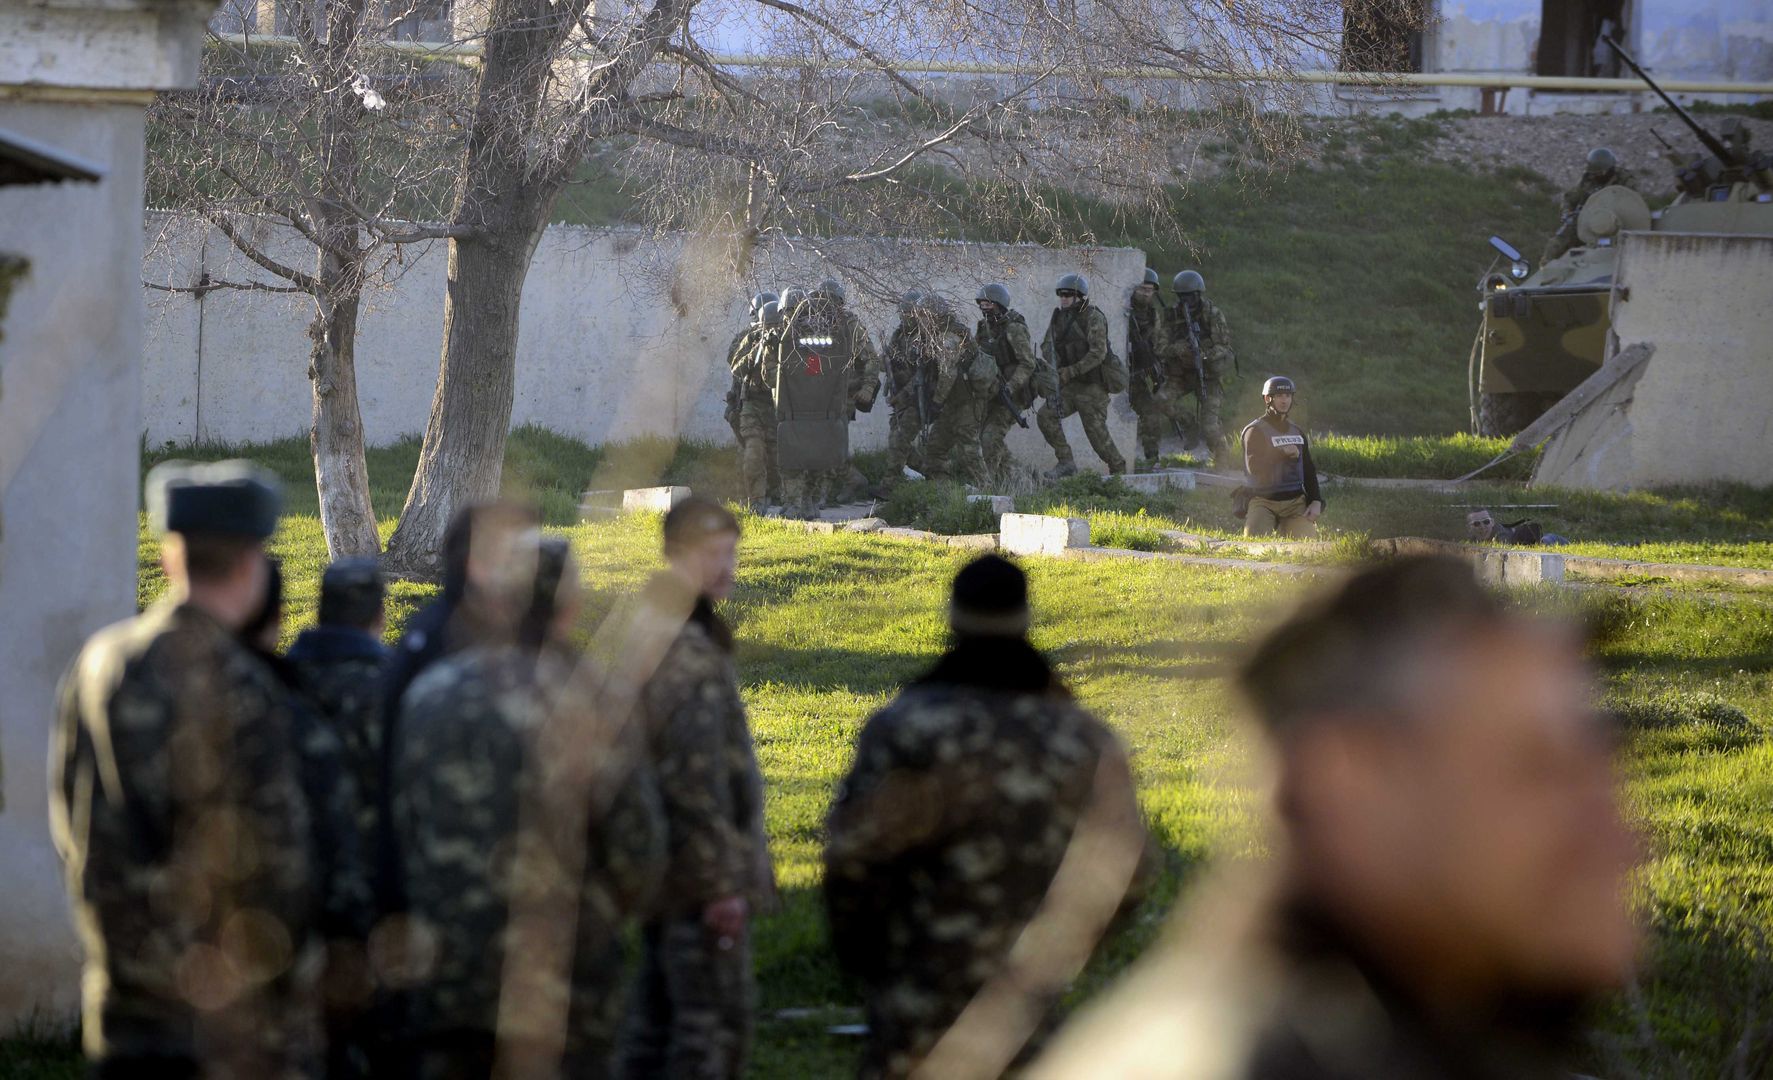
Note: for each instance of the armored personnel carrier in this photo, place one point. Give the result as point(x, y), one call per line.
point(1545, 328)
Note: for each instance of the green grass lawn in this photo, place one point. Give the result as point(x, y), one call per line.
point(829, 627)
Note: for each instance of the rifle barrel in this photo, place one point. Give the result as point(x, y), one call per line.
point(1712, 142)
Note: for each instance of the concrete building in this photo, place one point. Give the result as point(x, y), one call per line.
point(77, 76)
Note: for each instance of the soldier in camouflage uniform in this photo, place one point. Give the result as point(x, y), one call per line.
point(865, 362)
point(1076, 346)
point(1195, 322)
point(176, 803)
point(1149, 390)
point(508, 891)
point(947, 835)
point(691, 1014)
point(906, 367)
point(1003, 336)
point(1601, 170)
point(962, 381)
point(753, 358)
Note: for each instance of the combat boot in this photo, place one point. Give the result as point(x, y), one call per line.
point(1061, 471)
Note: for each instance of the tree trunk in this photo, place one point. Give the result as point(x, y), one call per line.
point(463, 454)
point(341, 475)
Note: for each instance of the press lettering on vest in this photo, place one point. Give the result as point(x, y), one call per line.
point(1287, 440)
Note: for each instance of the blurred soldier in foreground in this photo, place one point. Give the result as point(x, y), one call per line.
point(1601, 170)
point(176, 804)
point(909, 386)
point(1003, 336)
point(1282, 478)
point(983, 841)
point(964, 376)
point(748, 407)
point(1449, 884)
point(489, 740)
point(1076, 347)
point(1201, 362)
point(691, 1013)
point(1150, 393)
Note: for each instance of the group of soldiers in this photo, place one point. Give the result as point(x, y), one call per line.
point(347, 862)
point(804, 366)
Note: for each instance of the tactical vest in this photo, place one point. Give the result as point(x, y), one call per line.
point(995, 341)
point(1141, 340)
point(1203, 327)
point(812, 389)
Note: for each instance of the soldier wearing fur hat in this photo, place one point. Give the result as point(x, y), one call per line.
point(177, 808)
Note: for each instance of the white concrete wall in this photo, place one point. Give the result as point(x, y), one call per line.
point(623, 334)
point(70, 418)
point(1699, 410)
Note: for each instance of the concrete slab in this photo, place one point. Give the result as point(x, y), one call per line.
point(1101, 554)
point(653, 500)
point(1037, 534)
point(864, 525)
point(1498, 566)
point(1000, 504)
point(599, 505)
point(1174, 479)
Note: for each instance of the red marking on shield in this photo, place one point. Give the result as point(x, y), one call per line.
point(815, 364)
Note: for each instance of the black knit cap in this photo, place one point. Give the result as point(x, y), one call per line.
point(990, 599)
point(227, 498)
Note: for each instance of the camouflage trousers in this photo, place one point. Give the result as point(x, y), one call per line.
point(691, 1012)
point(902, 431)
point(953, 452)
point(757, 448)
point(1209, 429)
point(907, 1019)
point(806, 491)
point(998, 422)
point(1157, 412)
point(1090, 402)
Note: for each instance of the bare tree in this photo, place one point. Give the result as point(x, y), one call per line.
point(340, 144)
point(844, 131)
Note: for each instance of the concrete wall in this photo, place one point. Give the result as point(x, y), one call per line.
point(1697, 412)
point(624, 334)
point(74, 76)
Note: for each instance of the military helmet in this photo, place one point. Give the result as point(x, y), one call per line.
point(771, 313)
point(1189, 281)
point(792, 297)
point(831, 289)
point(936, 305)
point(1076, 283)
point(1278, 384)
point(1150, 277)
point(1601, 161)
point(996, 292)
point(908, 303)
point(761, 299)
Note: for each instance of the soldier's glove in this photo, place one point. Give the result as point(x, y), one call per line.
point(865, 402)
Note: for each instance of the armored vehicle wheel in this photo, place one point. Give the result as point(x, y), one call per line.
point(1508, 414)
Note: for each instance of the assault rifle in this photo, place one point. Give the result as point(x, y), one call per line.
point(1003, 395)
point(1139, 343)
point(1200, 370)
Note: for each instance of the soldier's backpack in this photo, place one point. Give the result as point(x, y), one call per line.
point(1115, 376)
point(812, 389)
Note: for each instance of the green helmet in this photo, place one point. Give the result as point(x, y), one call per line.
point(1601, 162)
point(831, 289)
point(1278, 384)
point(761, 299)
point(1076, 283)
point(770, 314)
point(792, 298)
point(936, 305)
point(1150, 277)
point(997, 293)
point(1189, 281)
point(908, 303)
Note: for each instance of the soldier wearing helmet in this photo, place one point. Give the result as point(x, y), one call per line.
point(1279, 472)
point(865, 363)
point(1076, 348)
point(738, 353)
point(1201, 362)
point(963, 376)
point(1601, 170)
point(909, 382)
point(1003, 336)
point(754, 373)
point(1149, 390)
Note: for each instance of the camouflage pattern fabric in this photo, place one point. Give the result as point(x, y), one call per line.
point(342, 672)
point(1570, 205)
point(1010, 345)
point(954, 450)
point(1076, 343)
point(1218, 360)
point(691, 1015)
point(902, 361)
point(943, 840)
point(865, 363)
point(1150, 391)
point(754, 357)
point(468, 775)
point(176, 804)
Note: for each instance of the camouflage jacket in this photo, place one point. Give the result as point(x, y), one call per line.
point(482, 734)
point(944, 839)
point(1076, 343)
point(1148, 340)
point(342, 671)
point(1010, 345)
point(902, 361)
point(1571, 201)
point(177, 806)
point(953, 352)
point(706, 765)
point(1213, 332)
point(865, 362)
point(738, 354)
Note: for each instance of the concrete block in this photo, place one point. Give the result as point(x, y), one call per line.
point(653, 500)
point(1517, 567)
point(599, 505)
point(1179, 479)
point(981, 542)
point(1036, 534)
point(1000, 504)
point(864, 525)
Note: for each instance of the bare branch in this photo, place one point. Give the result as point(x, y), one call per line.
point(304, 282)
